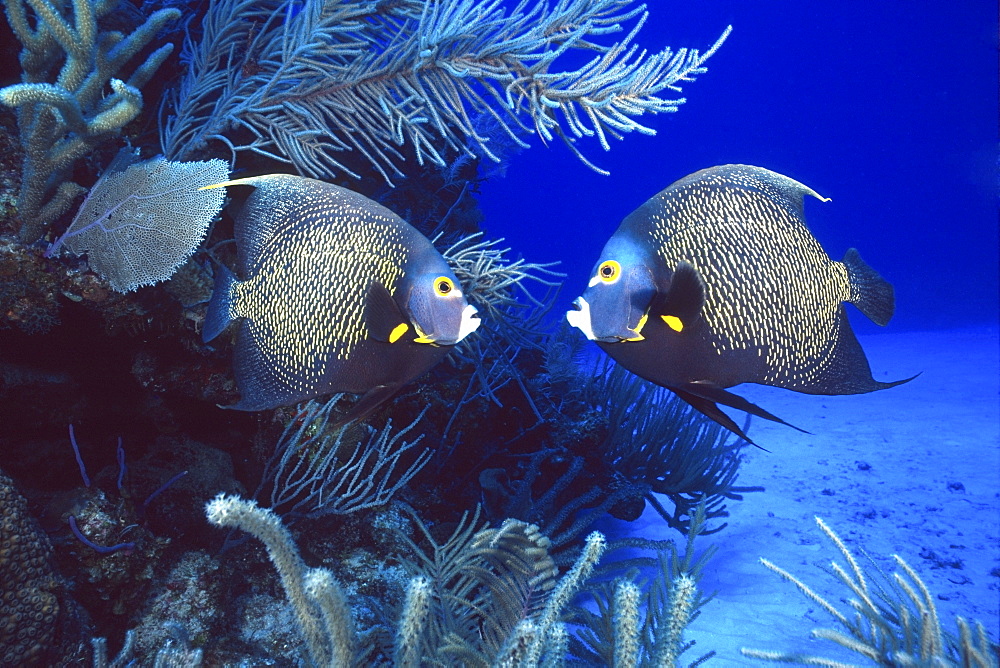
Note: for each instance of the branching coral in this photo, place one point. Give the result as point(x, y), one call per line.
point(314, 473)
point(311, 80)
point(662, 446)
point(894, 620)
point(642, 623)
point(492, 282)
point(63, 105)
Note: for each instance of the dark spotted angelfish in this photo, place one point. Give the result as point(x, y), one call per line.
point(717, 281)
point(339, 295)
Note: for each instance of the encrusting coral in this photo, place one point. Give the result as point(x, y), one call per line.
point(37, 616)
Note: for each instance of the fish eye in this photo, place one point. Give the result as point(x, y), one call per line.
point(443, 286)
point(609, 271)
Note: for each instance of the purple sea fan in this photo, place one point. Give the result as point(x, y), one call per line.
point(139, 223)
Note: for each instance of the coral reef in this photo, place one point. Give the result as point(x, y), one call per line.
point(134, 366)
point(40, 623)
point(187, 603)
point(483, 596)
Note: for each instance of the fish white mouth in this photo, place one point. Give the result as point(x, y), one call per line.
point(470, 322)
point(580, 318)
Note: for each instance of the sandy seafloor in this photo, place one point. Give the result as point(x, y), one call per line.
point(913, 470)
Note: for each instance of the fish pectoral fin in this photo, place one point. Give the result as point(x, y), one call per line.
point(713, 392)
point(683, 301)
point(383, 316)
point(368, 404)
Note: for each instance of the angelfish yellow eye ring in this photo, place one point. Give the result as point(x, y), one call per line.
point(443, 286)
point(609, 271)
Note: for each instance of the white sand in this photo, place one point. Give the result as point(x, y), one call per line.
point(943, 428)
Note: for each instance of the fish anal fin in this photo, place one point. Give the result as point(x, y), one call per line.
point(383, 316)
point(710, 410)
point(682, 303)
point(368, 404)
point(715, 393)
point(845, 370)
point(873, 295)
point(259, 381)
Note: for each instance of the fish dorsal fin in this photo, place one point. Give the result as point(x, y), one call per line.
point(386, 321)
point(267, 210)
point(683, 301)
point(780, 189)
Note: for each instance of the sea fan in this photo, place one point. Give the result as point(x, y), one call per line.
point(141, 222)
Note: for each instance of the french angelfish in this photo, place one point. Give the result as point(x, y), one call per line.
point(338, 294)
point(717, 281)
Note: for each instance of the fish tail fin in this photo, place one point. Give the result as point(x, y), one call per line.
point(220, 306)
point(871, 293)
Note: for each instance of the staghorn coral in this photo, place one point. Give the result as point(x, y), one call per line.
point(63, 106)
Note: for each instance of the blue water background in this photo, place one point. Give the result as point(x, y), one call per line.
point(888, 108)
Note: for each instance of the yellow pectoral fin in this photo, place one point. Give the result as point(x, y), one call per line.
point(397, 332)
point(673, 322)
